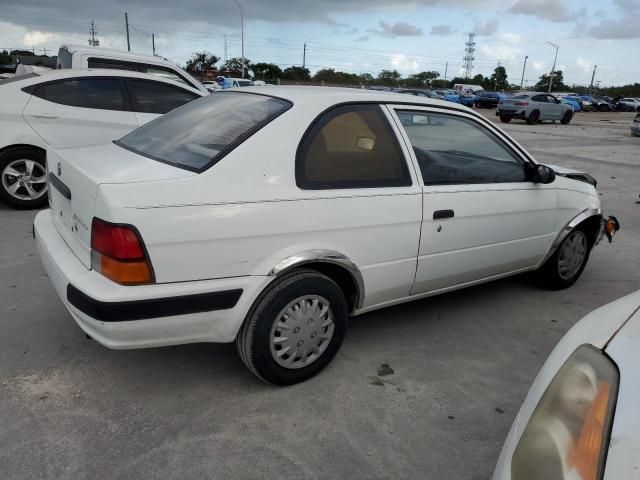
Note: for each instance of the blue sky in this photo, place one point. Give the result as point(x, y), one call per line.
point(358, 36)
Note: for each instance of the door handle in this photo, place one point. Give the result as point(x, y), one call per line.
point(44, 115)
point(440, 214)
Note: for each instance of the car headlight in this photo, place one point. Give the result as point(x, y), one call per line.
point(568, 433)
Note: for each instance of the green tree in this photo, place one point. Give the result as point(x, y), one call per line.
point(233, 66)
point(24, 53)
point(266, 71)
point(499, 79)
point(389, 78)
point(329, 75)
point(296, 74)
point(422, 79)
point(558, 82)
point(366, 78)
point(5, 58)
point(200, 62)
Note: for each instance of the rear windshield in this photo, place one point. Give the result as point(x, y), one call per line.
point(198, 134)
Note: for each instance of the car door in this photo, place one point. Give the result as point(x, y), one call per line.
point(79, 111)
point(542, 105)
point(150, 99)
point(482, 218)
point(557, 107)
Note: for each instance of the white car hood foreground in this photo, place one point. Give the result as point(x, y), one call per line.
point(614, 328)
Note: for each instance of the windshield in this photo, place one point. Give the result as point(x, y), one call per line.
point(198, 134)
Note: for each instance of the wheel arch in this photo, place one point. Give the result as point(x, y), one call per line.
point(22, 145)
point(589, 219)
point(335, 265)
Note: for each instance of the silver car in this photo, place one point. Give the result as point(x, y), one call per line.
point(635, 126)
point(534, 107)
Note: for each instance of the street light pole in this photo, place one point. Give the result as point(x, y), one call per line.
point(554, 65)
point(523, 67)
point(241, 31)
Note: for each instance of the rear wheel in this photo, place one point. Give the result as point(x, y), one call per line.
point(505, 119)
point(534, 117)
point(566, 118)
point(23, 178)
point(567, 263)
point(294, 329)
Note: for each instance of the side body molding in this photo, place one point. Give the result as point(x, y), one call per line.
point(573, 223)
point(323, 256)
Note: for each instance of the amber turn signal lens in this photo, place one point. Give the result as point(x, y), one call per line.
point(585, 454)
point(122, 272)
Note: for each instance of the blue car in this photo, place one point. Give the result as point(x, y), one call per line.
point(449, 95)
point(489, 99)
point(574, 103)
point(468, 100)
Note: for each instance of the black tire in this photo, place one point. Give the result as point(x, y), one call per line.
point(566, 118)
point(505, 119)
point(7, 158)
point(253, 340)
point(549, 274)
point(534, 117)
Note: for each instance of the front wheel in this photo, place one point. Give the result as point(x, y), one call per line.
point(294, 329)
point(23, 181)
point(566, 118)
point(567, 264)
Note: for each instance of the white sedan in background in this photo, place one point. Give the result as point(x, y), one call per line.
point(72, 108)
point(267, 217)
point(580, 420)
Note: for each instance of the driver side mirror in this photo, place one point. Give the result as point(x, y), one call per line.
point(543, 174)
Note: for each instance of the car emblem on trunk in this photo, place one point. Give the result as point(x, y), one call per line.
point(59, 169)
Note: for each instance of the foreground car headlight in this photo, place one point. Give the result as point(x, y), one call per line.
point(568, 433)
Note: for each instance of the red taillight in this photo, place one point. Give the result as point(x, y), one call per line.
point(118, 253)
point(521, 104)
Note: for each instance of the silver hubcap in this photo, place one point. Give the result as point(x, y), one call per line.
point(24, 179)
point(301, 332)
point(572, 255)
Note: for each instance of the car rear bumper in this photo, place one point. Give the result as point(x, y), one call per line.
point(501, 112)
point(122, 317)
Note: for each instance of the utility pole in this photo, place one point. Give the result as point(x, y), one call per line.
point(446, 67)
point(225, 48)
point(126, 24)
point(241, 31)
point(44, 50)
point(593, 75)
point(523, 68)
point(554, 65)
point(304, 55)
point(153, 43)
point(92, 31)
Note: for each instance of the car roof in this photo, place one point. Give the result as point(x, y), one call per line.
point(97, 72)
point(325, 97)
point(74, 48)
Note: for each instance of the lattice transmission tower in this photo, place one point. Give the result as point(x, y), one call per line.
point(469, 50)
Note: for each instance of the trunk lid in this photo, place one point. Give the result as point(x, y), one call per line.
point(74, 177)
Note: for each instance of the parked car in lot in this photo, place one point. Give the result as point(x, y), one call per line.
point(631, 104)
point(72, 107)
point(601, 105)
point(635, 126)
point(268, 218)
point(449, 95)
point(534, 107)
point(570, 101)
point(468, 100)
point(489, 99)
point(418, 92)
point(580, 418)
point(85, 56)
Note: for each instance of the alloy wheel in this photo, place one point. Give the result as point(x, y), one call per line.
point(25, 179)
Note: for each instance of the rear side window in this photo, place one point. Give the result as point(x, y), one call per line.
point(196, 136)
point(539, 98)
point(112, 64)
point(99, 93)
point(156, 97)
point(352, 146)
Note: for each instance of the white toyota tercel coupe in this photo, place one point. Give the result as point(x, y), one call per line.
point(268, 218)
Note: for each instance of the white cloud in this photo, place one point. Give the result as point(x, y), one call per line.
point(539, 66)
point(511, 37)
point(398, 29)
point(488, 28)
point(37, 38)
point(551, 10)
point(501, 52)
point(403, 63)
